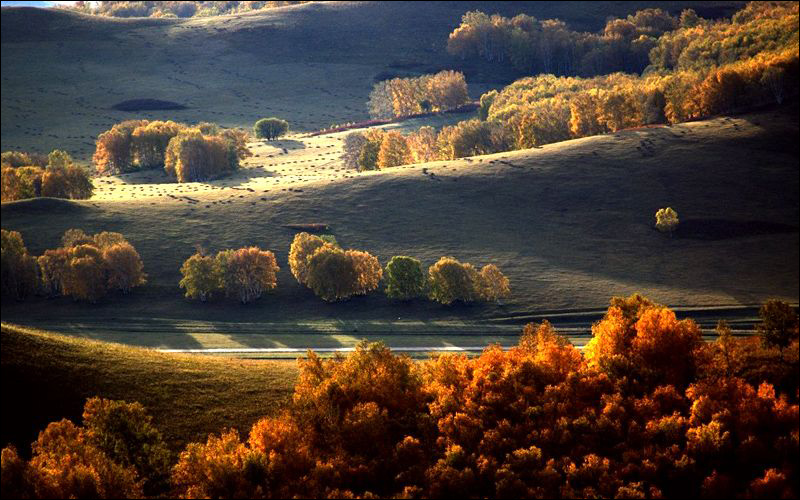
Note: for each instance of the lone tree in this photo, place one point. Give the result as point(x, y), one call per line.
point(404, 278)
point(667, 220)
point(270, 128)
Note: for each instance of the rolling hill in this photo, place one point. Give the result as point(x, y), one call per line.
point(47, 377)
point(312, 64)
point(570, 224)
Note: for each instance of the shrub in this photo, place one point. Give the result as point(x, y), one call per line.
point(18, 269)
point(113, 454)
point(200, 277)
point(270, 128)
point(66, 465)
point(666, 220)
point(16, 159)
point(404, 278)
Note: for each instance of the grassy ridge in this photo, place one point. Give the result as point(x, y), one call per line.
point(46, 377)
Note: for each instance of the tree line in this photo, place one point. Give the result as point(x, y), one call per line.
point(648, 410)
point(400, 97)
point(30, 175)
point(85, 267)
point(648, 40)
point(749, 61)
point(171, 9)
point(186, 152)
point(334, 274)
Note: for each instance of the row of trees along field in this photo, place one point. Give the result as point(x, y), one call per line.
point(84, 267)
point(697, 69)
point(28, 175)
point(186, 152)
point(647, 410)
point(171, 9)
point(333, 274)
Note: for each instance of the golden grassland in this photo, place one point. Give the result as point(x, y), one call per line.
point(46, 377)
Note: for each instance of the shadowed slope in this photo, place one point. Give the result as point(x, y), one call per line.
point(46, 377)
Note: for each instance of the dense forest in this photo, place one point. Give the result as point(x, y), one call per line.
point(647, 410)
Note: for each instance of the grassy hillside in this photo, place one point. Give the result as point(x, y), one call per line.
point(570, 224)
point(63, 71)
point(46, 377)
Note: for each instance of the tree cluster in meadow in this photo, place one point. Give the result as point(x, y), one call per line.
point(244, 274)
point(28, 175)
point(336, 274)
point(400, 97)
point(186, 152)
point(171, 9)
point(376, 149)
point(698, 68)
point(84, 267)
point(648, 410)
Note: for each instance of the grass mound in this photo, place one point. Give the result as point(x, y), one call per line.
point(47, 377)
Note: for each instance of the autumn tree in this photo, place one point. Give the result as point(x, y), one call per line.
point(450, 280)
point(779, 324)
point(126, 434)
point(353, 143)
point(192, 156)
point(422, 145)
point(394, 150)
point(404, 278)
point(493, 284)
point(124, 266)
point(666, 220)
point(302, 248)
point(270, 128)
point(201, 277)
point(18, 268)
point(246, 273)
